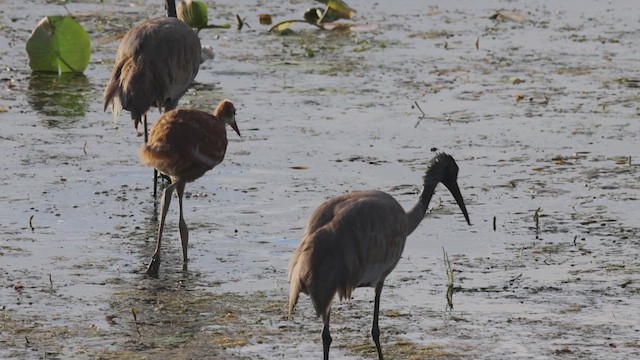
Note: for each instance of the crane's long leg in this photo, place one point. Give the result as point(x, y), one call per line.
point(146, 130)
point(375, 330)
point(154, 265)
point(182, 225)
point(326, 337)
point(155, 184)
point(155, 172)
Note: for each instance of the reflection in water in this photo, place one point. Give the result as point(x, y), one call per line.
point(61, 99)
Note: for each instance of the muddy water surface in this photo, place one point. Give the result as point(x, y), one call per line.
point(539, 108)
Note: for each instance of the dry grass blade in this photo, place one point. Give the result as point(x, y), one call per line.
point(449, 271)
point(536, 219)
point(423, 116)
point(135, 321)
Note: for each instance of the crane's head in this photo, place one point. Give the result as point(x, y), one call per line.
point(444, 169)
point(226, 112)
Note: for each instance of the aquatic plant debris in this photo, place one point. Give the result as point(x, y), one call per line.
point(514, 16)
point(339, 8)
point(334, 10)
point(449, 272)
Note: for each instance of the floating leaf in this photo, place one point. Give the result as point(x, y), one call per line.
point(59, 44)
point(514, 16)
point(334, 10)
point(339, 8)
point(194, 13)
point(282, 27)
point(313, 15)
point(319, 15)
point(265, 19)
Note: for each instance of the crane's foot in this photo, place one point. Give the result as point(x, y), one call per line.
point(154, 267)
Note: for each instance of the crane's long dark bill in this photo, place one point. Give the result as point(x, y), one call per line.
point(235, 128)
point(455, 191)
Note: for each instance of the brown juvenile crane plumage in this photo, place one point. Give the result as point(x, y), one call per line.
point(184, 145)
point(155, 64)
point(356, 239)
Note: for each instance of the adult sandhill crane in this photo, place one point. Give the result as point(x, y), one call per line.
point(184, 145)
point(155, 64)
point(356, 239)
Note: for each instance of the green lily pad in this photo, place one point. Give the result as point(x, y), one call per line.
point(194, 13)
point(59, 44)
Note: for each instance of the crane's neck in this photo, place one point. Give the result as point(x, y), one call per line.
point(171, 8)
point(416, 214)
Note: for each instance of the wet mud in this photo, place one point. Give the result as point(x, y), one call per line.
point(537, 102)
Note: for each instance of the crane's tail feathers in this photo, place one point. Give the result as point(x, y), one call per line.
point(112, 95)
point(134, 87)
point(294, 293)
point(318, 269)
point(116, 109)
point(160, 156)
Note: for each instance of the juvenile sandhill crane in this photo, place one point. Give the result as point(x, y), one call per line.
point(155, 64)
point(184, 145)
point(356, 239)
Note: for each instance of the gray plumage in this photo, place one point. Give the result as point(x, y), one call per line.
point(155, 64)
point(356, 240)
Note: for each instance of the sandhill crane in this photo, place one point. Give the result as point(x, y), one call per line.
point(356, 239)
point(155, 64)
point(184, 145)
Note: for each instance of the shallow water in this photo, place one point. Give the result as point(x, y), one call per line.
point(70, 277)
